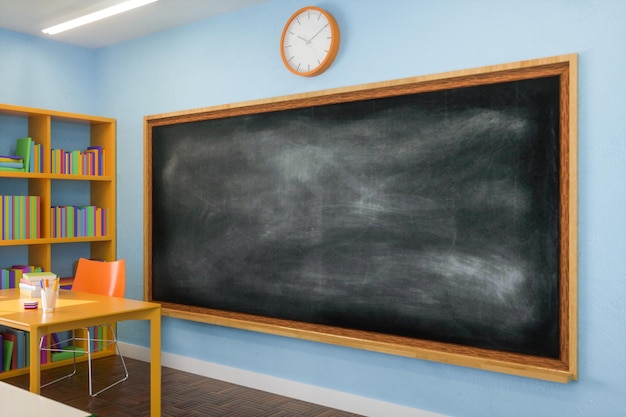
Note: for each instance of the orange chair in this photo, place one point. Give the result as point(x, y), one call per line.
point(96, 277)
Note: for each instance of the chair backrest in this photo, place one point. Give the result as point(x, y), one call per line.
point(97, 277)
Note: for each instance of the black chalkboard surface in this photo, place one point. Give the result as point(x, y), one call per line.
point(430, 215)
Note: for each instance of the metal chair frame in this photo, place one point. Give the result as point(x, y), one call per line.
point(57, 346)
point(89, 340)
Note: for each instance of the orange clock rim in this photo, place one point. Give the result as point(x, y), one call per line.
point(334, 43)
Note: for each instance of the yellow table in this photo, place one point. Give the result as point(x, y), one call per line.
point(74, 310)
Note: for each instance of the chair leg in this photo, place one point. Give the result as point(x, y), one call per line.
point(89, 362)
point(89, 352)
point(65, 376)
point(124, 378)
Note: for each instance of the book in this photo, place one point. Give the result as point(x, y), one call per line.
point(7, 354)
point(10, 354)
point(12, 164)
point(28, 285)
point(15, 275)
point(10, 158)
point(10, 169)
point(29, 291)
point(37, 158)
point(27, 347)
point(23, 149)
point(31, 163)
point(19, 348)
point(43, 354)
point(99, 159)
point(19, 216)
point(27, 269)
point(56, 341)
point(66, 283)
point(67, 353)
point(38, 276)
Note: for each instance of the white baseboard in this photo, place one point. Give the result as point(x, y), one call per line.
point(305, 392)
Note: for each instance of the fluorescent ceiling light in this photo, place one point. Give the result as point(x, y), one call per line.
point(92, 17)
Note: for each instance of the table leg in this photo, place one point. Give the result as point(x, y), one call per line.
point(35, 360)
point(155, 364)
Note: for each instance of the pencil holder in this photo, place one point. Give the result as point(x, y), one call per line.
point(49, 293)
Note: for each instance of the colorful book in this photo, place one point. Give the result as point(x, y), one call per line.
point(10, 158)
point(99, 159)
point(66, 283)
point(11, 163)
point(19, 218)
point(19, 349)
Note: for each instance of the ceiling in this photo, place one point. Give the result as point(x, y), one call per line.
point(31, 16)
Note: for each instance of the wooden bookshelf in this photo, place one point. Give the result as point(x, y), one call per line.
point(49, 128)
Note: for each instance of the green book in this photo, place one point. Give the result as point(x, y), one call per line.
point(22, 148)
point(7, 354)
point(66, 354)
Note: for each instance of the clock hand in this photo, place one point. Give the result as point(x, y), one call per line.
point(318, 32)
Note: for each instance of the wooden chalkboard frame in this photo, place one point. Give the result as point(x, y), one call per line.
point(562, 369)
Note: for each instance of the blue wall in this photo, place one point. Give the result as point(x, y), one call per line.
point(49, 75)
point(235, 57)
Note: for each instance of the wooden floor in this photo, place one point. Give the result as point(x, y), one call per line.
point(184, 394)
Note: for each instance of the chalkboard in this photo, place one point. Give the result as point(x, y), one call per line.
point(423, 214)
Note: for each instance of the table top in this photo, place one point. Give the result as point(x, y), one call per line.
point(72, 306)
point(18, 402)
point(78, 309)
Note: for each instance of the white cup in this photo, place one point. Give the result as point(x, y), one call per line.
point(49, 293)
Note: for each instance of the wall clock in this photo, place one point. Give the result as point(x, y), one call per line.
point(309, 42)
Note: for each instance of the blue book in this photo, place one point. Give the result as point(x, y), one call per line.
point(31, 162)
point(12, 164)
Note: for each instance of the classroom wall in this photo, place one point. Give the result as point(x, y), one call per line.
point(35, 72)
point(235, 57)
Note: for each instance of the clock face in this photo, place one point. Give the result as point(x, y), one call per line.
point(309, 42)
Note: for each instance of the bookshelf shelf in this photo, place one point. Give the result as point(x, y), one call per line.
point(55, 240)
point(63, 177)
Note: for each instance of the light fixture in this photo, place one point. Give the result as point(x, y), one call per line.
point(92, 17)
